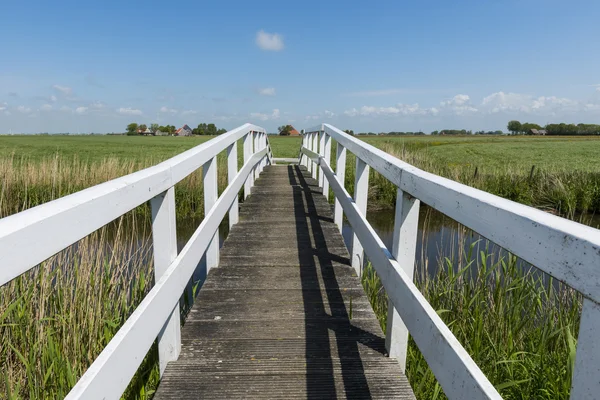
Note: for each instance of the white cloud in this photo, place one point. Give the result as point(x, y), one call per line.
point(459, 104)
point(164, 109)
point(3, 106)
point(189, 112)
point(265, 117)
point(53, 98)
point(269, 41)
point(523, 103)
point(46, 107)
point(399, 109)
point(97, 105)
point(267, 91)
point(329, 114)
point(23, 109)
point(81, 110)
point(63, 89)
point(129, 111)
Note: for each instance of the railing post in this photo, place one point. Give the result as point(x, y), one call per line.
point(309, 145)
point(340, 173)
point(586, 382)
point(404, 248)
point(247, 155)
point(316, 150)
point(322, 154)
point(327, 157)
point(164, 237)
point(232, 169)
point(209, 174)
point(302, 156)
point(361, 190)
point(256, 149)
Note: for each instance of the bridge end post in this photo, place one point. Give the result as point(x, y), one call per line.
point(322, 154)
point(361, 190)
point(164, 237)
point(586, 375)
point(404, 247)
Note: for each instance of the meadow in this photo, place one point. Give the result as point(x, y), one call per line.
point(518, 328)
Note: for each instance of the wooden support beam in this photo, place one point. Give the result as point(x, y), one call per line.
point(209, 174)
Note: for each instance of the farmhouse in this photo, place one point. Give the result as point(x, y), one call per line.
point(294, 132)
point(538, 132)
point(184, 131)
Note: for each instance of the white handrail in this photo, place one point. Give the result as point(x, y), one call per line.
point(77, 215)
point(58, 224)
point(564, 249)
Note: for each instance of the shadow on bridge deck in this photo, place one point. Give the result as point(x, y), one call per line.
point(284, 316)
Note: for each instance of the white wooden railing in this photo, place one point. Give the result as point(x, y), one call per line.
point(31, 236)
point(564, 249)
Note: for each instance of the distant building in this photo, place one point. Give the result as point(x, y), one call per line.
point(294, 132)
point(184, 131)
point(537, 132)
point(161, 133)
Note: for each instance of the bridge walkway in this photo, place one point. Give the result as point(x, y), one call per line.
point(284, 315)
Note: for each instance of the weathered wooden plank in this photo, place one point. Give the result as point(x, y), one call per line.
point(304, 330)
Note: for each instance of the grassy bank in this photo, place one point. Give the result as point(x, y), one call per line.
point(519, 327)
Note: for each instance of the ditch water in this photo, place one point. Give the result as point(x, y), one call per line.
point(438, 237)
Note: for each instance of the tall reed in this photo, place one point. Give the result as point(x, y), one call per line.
point(57, 318)
point(517, 324)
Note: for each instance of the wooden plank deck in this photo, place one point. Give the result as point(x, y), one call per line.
point(284, 315)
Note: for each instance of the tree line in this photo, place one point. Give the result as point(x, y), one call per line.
point(202, 129)
point(518, 128)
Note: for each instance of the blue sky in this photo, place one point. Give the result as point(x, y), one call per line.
point(72, 66)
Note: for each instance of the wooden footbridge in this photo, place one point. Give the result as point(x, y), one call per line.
point(282, 313)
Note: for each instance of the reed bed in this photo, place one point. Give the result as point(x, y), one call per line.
point(566, 192)
point(56, 318)
point(517, 324)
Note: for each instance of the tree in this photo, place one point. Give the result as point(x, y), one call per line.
point(143, 128)
point(349, 132)
point(285, 130)
point(515, 127)
point(221, 131)
point(132, 127)
point(211, 129)
point(153, 127)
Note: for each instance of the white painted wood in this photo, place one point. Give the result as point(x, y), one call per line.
point(247, 156)
point(110, 373)
point(77, 215)
point(454, 369)
point(209, 175)
point(404, 247)
point(322, 154)
point(361, 191)
point(340, 173)
point(315, 148)
point(309, 162)
point(232, 167)
point(327, 158)
point(164, 241)
point(302, 157)
point(565, 249)
point(256, 149)
point(586, 377)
